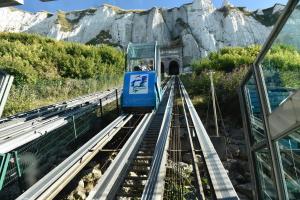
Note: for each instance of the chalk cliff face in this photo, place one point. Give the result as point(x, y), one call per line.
point(199, 27)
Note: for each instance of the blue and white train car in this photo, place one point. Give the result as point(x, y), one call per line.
point(142, 79)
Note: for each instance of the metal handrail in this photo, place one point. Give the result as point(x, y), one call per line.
point(5, 86)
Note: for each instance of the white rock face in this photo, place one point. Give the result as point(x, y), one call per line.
point(199, 26)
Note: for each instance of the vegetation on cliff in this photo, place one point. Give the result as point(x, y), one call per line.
point(47, 71)
point(230, 65)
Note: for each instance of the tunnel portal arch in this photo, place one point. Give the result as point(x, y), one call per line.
point(174, 68)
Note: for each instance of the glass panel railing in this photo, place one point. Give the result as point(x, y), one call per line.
point(254, 111)
point(289, 148)
point(264, 174)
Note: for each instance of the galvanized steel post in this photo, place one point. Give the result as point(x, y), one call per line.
point(117, 102)
point(101, 108)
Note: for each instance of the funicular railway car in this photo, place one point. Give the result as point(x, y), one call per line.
point(142, 79)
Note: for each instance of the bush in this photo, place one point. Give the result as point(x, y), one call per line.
point(231, 64)
point(47, 71)
point(281, 59)
point(226, 84)
point(227, 59)
point(31, 57)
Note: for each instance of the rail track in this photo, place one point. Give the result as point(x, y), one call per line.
point(148, 160)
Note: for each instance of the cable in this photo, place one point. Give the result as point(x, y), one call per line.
point(125, 137)
point(208, 108)
point(294, 164)
point(227, 141)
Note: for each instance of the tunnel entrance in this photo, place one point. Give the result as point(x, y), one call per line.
point(162, 68)
point(173, 68)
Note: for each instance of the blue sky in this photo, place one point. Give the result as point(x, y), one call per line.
point(68, 5)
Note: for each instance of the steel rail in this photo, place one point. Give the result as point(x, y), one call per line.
point(32, 130)
point(195, 159)
point(154, 187)
point(7, 130)
point(51, 184)
point(223, 188)
point(9, 127)
point(108, 186)
point(49, 110)
point(55, 180)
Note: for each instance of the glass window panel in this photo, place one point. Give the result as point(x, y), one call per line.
point(254, 111)
point(142, 57)
point(264, 174)
point(141, 65)
point(289, 147)
point(281, 66)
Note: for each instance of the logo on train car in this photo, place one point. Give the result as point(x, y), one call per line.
point(138, 84)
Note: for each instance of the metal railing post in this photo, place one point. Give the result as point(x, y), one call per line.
point(101, 108)
point(263, 95)
point(247, 132)
point(3, 168)
point(117, 102)
point(74, 126)
point(19, 169)
point(214, 102)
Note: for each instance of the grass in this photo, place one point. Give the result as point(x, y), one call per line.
point(48, 71)
point(45, 92)
point(66, 25)
point(119, 10)
point(104, 37)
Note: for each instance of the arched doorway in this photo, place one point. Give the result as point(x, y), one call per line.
point(173, 68)
point(162, 68)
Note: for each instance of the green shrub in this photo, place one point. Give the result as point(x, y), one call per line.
point(227, 59)
point(226, 84)
point(47, 71)
point(230, 65)
point(31, 57)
